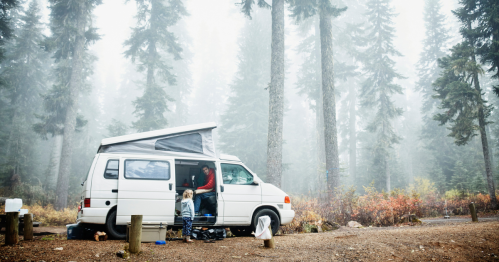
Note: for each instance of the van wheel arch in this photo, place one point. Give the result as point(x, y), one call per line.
point(271, 208)
point(112, 229)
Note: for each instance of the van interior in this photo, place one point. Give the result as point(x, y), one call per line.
point(189, 175)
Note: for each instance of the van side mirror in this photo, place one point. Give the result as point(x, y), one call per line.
point(255, 183)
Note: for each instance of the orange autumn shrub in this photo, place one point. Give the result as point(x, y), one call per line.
point(378, 208)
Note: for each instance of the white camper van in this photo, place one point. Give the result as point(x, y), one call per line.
point(147, 173)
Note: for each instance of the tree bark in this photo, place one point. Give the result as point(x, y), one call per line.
point(330, 132)
point(71, 111)
point(276, 96)
point(55, 159)
point(135, 234)
point(483, 135)
point(319, 113)
point(12, 228)
point(28, 227)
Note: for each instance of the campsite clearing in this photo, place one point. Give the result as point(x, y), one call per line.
point(454, 241)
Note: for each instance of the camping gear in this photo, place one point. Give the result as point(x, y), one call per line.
point(13, 205)
point(214, 233)
point(160, 242)
point(262, 229)
point(151, 231)
point(79, 231)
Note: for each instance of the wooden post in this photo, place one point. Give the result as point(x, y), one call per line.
point(28, 226)
point(269, 243)
point(12, 228)
point(135, 233)
point(473, 212)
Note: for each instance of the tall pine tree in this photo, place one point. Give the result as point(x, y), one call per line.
point(276, 88)
point(434, 46)
point(24, 77)
point(72, 31)
point(244, 123)
point(379, 85)
point(150, 39)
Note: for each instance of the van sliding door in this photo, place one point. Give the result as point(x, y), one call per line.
point(146, 186)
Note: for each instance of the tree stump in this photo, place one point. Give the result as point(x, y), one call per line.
point(28, 226)
point(473, 212)
point(269, 243)
point(135, 233)
point(12, 228)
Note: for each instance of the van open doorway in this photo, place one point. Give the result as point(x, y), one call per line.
point(189, 175)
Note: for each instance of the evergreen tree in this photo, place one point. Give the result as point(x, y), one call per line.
point(326, 11)
point(71, 28)
point(244, 123)
point(378, 87)
point(24, 77)
point(434, 45)
point(460, 93)
point(6, 30)
point(276, 88)
point(149, 39)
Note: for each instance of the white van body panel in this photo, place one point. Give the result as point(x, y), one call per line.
point(154, 199)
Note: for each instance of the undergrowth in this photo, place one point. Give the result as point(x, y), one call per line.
point(48, 215)
point(379, 208)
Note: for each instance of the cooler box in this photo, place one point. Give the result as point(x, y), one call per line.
point(151, 231)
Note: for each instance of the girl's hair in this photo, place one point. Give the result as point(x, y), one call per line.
point(187, 194)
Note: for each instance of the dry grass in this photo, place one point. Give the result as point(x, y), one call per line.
point(49, 216)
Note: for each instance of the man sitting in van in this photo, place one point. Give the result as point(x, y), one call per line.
point(207, 190)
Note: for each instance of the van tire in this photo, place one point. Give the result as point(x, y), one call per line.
point(274, 219)
point(113, 230)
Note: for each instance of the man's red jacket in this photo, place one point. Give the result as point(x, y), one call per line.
point(211, 181)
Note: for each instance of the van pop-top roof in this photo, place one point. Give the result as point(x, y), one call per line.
point(189, 141)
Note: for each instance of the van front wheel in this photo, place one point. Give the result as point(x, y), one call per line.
point(274, 219)
point(114, 231)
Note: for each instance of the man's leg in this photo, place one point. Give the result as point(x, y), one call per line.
point(198, 198)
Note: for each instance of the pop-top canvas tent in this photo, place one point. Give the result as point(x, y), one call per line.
point(188, 141)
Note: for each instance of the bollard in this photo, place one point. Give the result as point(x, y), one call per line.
point(12, 228)
point(269, 243)
point(473, 212)
point(135, 233)
point(28, 226)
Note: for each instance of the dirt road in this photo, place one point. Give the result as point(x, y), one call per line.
point(440, 242)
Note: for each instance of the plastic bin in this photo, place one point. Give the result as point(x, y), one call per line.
point(151, 231)
point(75, 231)
point(13, 205)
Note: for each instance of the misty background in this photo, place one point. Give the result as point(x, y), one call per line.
point(223, 74)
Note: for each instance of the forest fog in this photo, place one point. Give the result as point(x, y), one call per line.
point(210, 61)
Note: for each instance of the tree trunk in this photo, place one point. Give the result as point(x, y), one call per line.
point(55, 159)
point(352, 147)
point(276, 96)
point(387, 172)
point(71, 111)
point(330, 132)
point(483, 135)
point(319, 113)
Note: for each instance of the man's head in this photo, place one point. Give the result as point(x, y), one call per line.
point(206, 169)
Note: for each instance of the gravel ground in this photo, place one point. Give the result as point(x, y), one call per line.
point(455, 241)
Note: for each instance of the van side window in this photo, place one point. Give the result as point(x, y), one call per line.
point(147, 169)
point(236, 175)
point(112, 169)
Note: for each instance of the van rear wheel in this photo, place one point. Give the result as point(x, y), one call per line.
point(274, 219)
point(113, 230)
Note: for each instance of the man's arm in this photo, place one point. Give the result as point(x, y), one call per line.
point(211, 181)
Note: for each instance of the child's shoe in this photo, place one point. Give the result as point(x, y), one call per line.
point(184, 239)
point(188, 239)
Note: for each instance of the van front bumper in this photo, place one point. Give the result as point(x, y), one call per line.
point(286, 216)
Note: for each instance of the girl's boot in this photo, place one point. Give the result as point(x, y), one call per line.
point(188, 239)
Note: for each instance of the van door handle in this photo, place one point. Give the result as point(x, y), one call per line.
point(171, 186)
point(221, 188)
point(114, 190)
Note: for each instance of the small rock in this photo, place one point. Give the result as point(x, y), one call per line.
point(58, 248)
point(354, 224)
point(421, 247)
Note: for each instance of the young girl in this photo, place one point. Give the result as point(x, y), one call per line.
point(187, 215)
